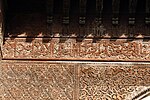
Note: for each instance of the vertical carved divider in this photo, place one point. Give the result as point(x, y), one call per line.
point(1, 26)
point(1, 43)
point(49, 9)
point(147, 18)
point(99, 10)
point(82, 11)
point(115, 10)
point(132, 11)
point(66, 8)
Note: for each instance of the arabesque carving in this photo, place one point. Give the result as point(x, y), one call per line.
point(35, 80)
point(74, 50)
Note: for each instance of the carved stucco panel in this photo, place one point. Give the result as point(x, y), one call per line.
point(72, 49)
point(34, 80)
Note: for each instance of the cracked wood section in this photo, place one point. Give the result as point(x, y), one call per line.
point(75, 49)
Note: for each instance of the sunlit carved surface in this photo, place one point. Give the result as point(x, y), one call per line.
point(35, 81)
point(24, 80)
point(146, 98)
point(72, 49)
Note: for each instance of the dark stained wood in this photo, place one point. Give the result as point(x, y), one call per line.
point(115, 6)
point(82, 11)
point(132, 6)
point(115, 11)
point(99, 10)
point(66, 9)
point(49, 6)
point(147, 18)
point(132, 11)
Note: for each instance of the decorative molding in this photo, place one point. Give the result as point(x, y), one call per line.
point(72, 49)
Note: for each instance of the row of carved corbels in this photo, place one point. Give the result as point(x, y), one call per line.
point(99, 10)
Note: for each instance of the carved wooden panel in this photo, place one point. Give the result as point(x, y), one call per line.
point(74, 49)
point(32, 80)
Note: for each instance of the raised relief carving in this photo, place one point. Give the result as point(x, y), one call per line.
point(36, 81)
point(112, 82)
point(72, 49)
point(28, 80)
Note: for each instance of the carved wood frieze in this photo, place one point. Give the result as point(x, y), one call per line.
point(28, 80)
point(75, 49)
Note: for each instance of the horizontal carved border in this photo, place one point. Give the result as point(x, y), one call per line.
point(72, 80)
point(76, 49)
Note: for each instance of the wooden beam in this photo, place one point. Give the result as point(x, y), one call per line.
point(99, 10)
point(66, 9)
point(132, 11)
point(115, 11)
point(49, 7)
point(82, 6)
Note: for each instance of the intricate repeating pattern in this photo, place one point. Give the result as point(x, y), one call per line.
point(75, 81)
point(98, 82)
point(72, 49)
point(22, 81)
